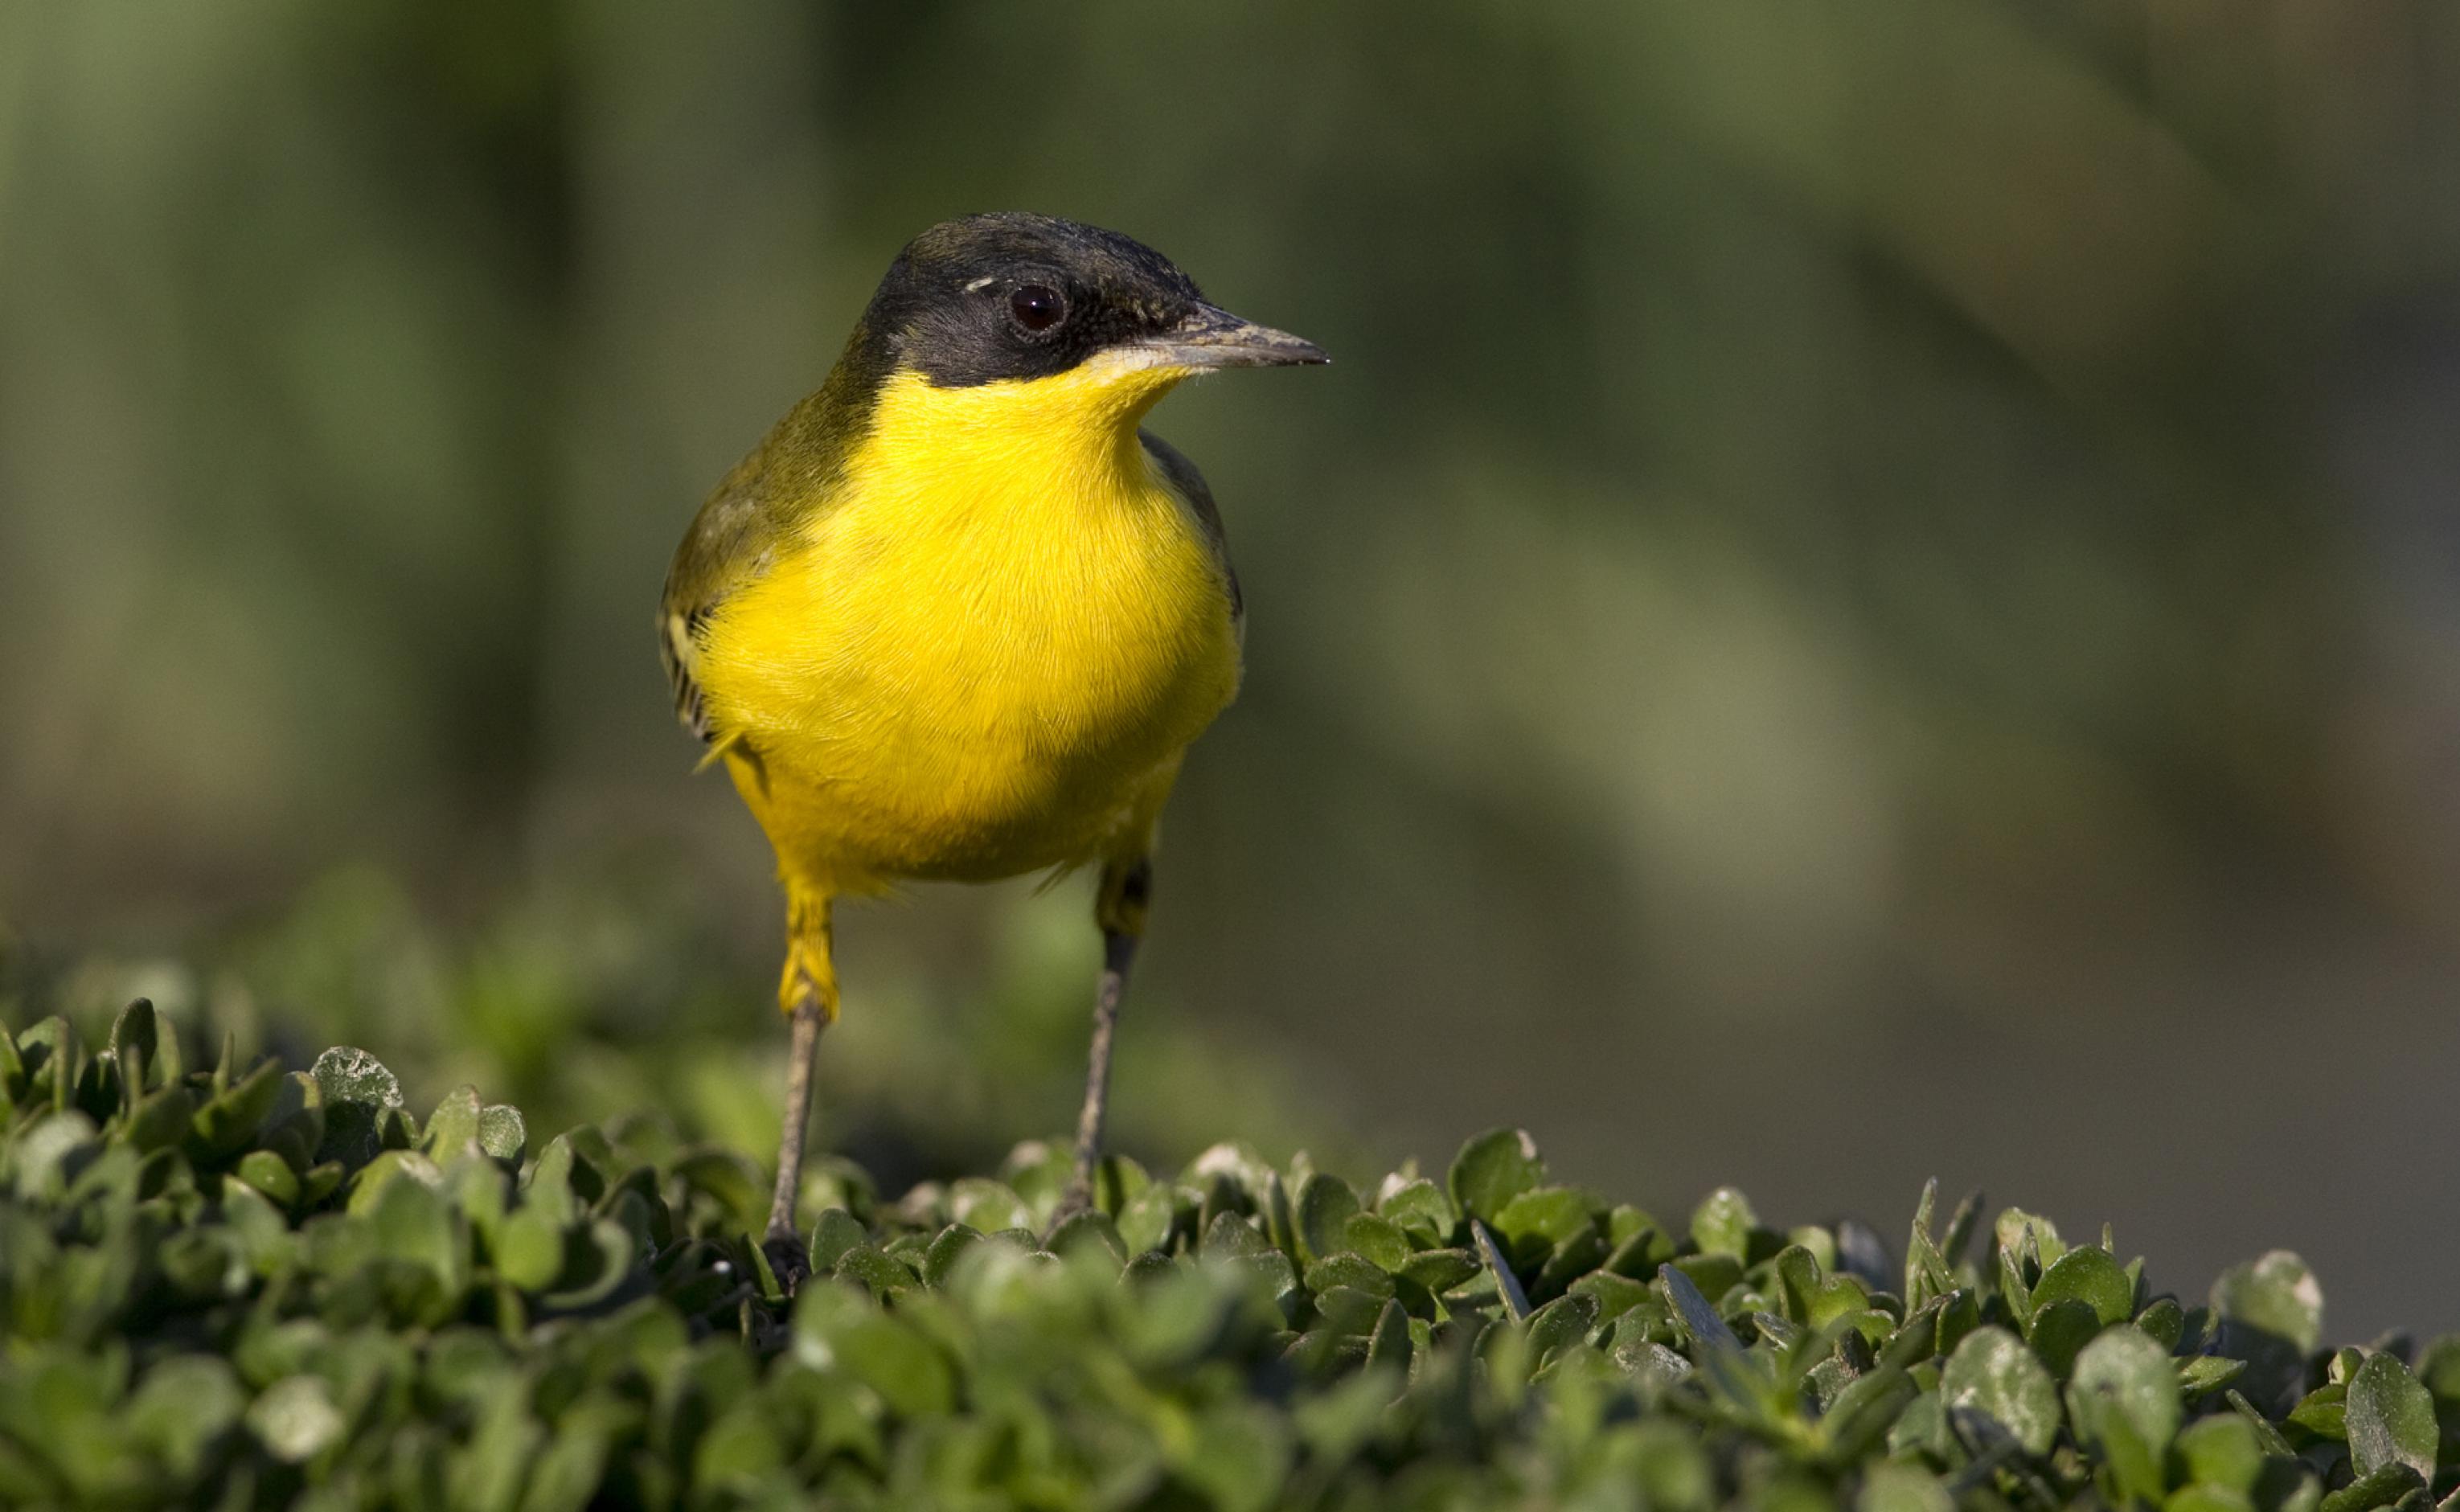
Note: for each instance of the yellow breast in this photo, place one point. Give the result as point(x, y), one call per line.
point(987, 654)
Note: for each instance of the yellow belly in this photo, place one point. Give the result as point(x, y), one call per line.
point(986, 658)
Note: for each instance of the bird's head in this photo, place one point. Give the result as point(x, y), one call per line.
point(1015, 299)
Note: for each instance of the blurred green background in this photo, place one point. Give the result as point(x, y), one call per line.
point(1874, 592)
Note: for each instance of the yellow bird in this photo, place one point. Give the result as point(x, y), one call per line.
point(959, 616)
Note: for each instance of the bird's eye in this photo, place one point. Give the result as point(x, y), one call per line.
point(1037, 307)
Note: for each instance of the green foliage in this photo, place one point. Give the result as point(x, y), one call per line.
point(241, 1286)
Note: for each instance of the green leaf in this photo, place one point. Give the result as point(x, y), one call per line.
point(1440, 1271)
point(2277, 1294)
point(1797, 1278)
point(528, 1249)
point(2382, 1487)
point(1716, 1276)
point(1615, 1294)
point(1867, 1409)
point(135, 1035)
point(947, 1247)
point(1149, 1218)
point(896, 1361)
point(1924, 1267)
point(2061, 1329)
point(1321, 1216)
point(161, 1121)
point(742, 1445)
point(296, 1419)
point(2132, 1470)
point(1090, 1232)
point(1038, 1171)
point(454, 1126)
point(1116, 1181)
point(1567, 1262)
point(1389, 1347)
point(320, 1182)
point(875, 1269)
point(1348, 1270)
point(1507, 1285)
point(565, 1477)
point(294, 1125)
point(1379, 1239)
point(1493, 1169)
point(1280, 1226)
point(502, 1134)
point(2029, 1235)
point(2266, 1434)
point(268, 1173)
point(182, 1406)
point(2205, 1374)
point(2272, 1317)
point(1231, 1237)
point(2124, 1398)
point(1421, 1210)
point(1995, 1390)
point(2165, 1321)
point(980, 1204)
point(1560, 1324)
point(1240, 1456)
point(1891, 1487)
point(1713, 1345)
point(412, 1222)
point(51, 1056)
point(597, 1258)
point(2390, 1418)
point(834, 1232)
point(47, 1152)
point(1722, 1224)
point(357, 1092)
point(1639, 1254)
point(2092, 1276)
point(1344, 1309)
point(2325, 1411)
point(222, 1126)
point(1548, 1215)
point(2221, 1451)
point(368, 1187)
point(1625, 1222)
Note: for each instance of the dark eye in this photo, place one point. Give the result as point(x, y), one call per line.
point(1037, 307)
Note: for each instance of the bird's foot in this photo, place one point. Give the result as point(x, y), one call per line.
point(788, 1259)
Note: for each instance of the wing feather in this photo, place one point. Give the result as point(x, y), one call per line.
point(764, 501)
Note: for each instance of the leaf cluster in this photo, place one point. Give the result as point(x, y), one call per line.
point(243, 1286)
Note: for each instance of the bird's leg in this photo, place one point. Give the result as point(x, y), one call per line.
point(1119, 908)
point(808, 994)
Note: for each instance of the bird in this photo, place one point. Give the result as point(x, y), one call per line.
point(960, 615)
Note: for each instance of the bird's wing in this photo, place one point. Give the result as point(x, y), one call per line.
point(769, 498)
point(730, 543)
point(1190, 485)
point(679, 649)
point(727, 547)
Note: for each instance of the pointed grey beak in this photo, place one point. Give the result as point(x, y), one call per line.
point(1213, 337)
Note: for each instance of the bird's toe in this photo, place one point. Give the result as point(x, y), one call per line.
point(788, 1258)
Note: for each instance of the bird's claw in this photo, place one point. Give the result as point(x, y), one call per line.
point(788, 1259)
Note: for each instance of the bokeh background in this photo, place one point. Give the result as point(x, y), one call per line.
point(1874, 592)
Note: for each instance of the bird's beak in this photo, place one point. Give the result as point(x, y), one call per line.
point(1213, 337)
